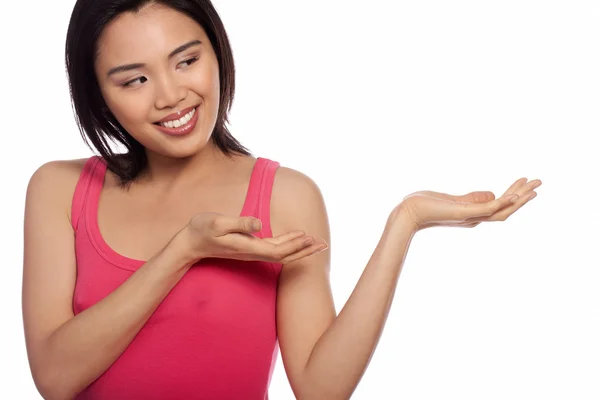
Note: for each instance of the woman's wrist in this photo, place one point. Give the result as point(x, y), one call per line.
point(400, 218)
point(179, 250)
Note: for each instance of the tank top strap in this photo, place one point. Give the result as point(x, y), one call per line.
point(91, 180)
point(88, 188)
point(259, 192)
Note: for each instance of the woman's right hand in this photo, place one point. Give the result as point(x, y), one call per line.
point(219, 236)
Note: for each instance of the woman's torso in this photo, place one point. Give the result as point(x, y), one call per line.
point(214, 335)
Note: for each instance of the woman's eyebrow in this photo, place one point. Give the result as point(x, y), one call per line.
point(128, 67)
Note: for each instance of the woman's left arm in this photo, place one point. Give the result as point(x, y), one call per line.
point(325, 355)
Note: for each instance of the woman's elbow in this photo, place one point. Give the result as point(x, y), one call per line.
point(50, 385)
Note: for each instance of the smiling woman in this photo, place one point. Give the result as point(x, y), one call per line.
point(161, 279)
point(178, 268)
point(146, 58)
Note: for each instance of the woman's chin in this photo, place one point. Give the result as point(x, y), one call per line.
point(183, 149)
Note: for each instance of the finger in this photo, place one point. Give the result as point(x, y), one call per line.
point(521, 188)
point(526, 193)
point(277, 252)
point(285, 237)
point(515, 186)
point(223, 224)
point(528, 188)
point(503, 214)
point(309, 251)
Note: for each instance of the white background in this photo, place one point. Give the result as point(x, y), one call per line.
point(375, 100)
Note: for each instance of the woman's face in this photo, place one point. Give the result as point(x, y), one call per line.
point(160, 77)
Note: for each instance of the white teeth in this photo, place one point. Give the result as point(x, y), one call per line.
point(179, 122)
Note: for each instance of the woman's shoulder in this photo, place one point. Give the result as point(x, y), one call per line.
point(294, 182)
point(59, 172)
point(55, 181)
point(295, 197)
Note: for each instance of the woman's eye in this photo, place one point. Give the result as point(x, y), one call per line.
point(190, 61)
point(127, 84)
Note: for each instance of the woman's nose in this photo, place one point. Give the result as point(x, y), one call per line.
point(169, 92)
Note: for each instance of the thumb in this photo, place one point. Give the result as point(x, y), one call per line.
point(250, 224)
point(224, 225)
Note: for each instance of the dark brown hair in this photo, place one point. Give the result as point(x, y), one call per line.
point(95, 121)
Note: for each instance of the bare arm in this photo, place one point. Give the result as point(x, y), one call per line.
point(341, 355)
point(325, 355)
point(67, 352)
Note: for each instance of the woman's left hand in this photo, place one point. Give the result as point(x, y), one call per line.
point(426, 208)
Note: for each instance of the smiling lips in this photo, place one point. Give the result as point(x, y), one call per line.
point(180, 123)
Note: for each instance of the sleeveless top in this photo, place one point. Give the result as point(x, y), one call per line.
point(214, 335)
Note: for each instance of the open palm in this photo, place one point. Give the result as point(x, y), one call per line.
point(428, 208)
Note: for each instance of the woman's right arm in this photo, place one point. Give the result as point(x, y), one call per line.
point(66, 352)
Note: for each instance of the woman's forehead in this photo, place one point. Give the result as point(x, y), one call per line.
point(147, 33)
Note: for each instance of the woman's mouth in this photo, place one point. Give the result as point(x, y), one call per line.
point(181, 126)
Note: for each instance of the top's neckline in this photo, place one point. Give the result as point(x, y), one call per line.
point(122, 261)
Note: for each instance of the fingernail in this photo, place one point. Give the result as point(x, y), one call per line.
point(323, 249)
point(514, 198)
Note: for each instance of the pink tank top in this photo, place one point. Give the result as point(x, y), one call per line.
point(213, 337)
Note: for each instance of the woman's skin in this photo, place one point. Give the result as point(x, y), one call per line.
point(324, 355)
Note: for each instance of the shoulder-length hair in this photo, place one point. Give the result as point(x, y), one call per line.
point(94, 120)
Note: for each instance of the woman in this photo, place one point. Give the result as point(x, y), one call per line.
point(176, 269)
